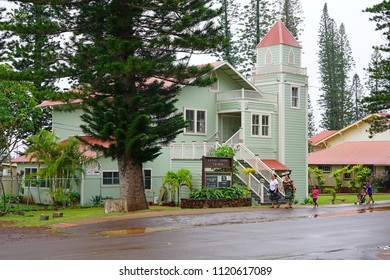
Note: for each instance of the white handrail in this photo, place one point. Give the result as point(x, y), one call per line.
point(254, 161)
point(234, 139)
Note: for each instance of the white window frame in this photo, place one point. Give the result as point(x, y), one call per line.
point(295, 100)
point(144, 177)
point(195, 124)
point(261, 126)
point(113, 183)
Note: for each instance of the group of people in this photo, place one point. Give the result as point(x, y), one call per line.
point(289, 190)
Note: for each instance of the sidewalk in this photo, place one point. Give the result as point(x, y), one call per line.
point(298, 210)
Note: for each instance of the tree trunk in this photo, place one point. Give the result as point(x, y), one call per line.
point(131, 184)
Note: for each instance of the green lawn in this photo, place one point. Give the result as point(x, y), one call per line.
point(32, 217)
point(350, 198)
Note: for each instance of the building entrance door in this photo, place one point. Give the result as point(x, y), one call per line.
point(230, 125)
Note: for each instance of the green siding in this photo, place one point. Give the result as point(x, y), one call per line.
point(66, 124)
point(229, 106)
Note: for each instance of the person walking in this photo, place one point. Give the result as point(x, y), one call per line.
point(274, 191)
point(289, 191)
point(315, 192)
point(370, 191)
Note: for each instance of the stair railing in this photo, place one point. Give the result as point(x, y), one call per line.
point(254, 161)
point(235, 139)
point(252, 182)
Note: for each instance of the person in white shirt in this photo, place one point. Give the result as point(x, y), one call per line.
point(274, 191)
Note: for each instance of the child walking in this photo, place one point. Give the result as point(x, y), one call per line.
point(315, 193)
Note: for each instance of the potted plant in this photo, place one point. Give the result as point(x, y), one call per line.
point(74, 197)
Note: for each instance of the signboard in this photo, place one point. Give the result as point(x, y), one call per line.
point(217, 162)
point(217, 172)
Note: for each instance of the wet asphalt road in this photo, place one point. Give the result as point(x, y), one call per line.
point(331, 232)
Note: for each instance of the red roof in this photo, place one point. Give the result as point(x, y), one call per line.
point(321, 136)
point(276, 165)
point(359, 152)
point(23, 159)
point(87, 152)
point(279, 34)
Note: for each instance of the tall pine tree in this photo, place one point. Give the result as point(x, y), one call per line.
point(228, 20)
point(357, 96)
point(31, 41)
point(290, 12)
point(255, 21)
point(379, 70)
point(126, 59)
point(335, 61)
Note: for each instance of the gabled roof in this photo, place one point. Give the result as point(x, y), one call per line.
point(83, 148)
point(326, 135)
point(321, 136)
point(224, 66)
point(232, 73)
point(279, 34)
point(358, 152)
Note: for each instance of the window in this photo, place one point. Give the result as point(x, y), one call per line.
point(264, 125)
point(197, 120)
point(291, 57)
point(295, 97)
point(255, 124)
point(148, 179)
point(29, 175)
point(347, 176)
point(110, 178)
point(260, 125)
point(324, 168)
point(268, 57)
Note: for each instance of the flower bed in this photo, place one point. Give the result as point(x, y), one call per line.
point(215, 203)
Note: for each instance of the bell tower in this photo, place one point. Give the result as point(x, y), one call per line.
point(278, 73)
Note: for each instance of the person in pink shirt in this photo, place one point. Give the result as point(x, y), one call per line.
point(315, 193)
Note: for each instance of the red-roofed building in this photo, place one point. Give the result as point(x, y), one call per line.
point(351, 145)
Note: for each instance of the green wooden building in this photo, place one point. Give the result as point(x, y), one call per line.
point(264, 119)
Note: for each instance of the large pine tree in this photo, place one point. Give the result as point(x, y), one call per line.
point(126, 59)
point(379, 70)
point(335, 61)
point(31, 39)
point(255, 21)
point(228, 20)
point(290, 12)
point(357, 96)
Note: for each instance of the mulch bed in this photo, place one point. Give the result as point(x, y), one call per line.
point(12, 234)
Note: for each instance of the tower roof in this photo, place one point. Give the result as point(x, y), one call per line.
point(279, 34)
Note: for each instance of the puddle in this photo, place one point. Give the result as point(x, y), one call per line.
point(352, 212)
point(132, 231)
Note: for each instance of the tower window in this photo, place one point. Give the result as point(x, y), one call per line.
point(291, 57)
point(295, 97)
point(268, 57)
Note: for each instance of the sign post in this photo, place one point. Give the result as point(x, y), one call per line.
point(217, 172)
